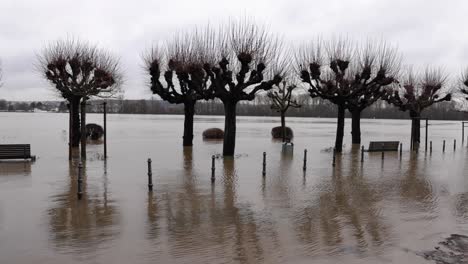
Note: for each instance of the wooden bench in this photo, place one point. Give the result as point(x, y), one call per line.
point(16, 151)
point(383, 146)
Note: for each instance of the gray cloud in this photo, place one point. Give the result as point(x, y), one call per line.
point(426, 32)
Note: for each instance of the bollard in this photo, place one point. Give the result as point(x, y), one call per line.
point(264, 164)
point(334, 157)
point(454, 144)
point(305, 160)
point(401, 149)
point(150, 176)
point(80, 181)
point(430, 148)
point(383, 155)
point(362, 153)
point(213, 169)
point(443, 147)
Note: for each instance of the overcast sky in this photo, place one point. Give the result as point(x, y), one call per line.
point(425, 31)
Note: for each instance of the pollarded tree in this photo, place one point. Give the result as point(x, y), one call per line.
point(417, 92)
point(79, 70)
point(374, 67)
point(324, 67)
point(281, 97)
point(184, 81)
point(464, 80)
point(246, 62)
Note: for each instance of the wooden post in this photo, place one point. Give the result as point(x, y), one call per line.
point(362, 153)
point(70, 128)
point(443, 146)
point(105, 129)
point(213, 169)
point(80, 181)
point(150, 176)
point(334, 157)
point(401, 149)
point(305, 160)
point(83, 129)
point(264, 164)
point(430, 148)
point(383, 155)
point(454, 144)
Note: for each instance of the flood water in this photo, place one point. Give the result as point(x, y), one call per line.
point(371, 212)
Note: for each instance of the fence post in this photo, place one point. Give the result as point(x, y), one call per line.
point(401, 149)
point(80, 181)
point(150, 176)
point(383, 155)
point(443, 146)
point(454, 144)
point(305, 160)
point(213, 169)
point(430, 148)
point(264, 164)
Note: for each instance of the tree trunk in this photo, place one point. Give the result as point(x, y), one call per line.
point(356, 126)
point(75, 119)
point(83, 129)
point(229, 128)
point(340, 128)
point(415, 128)
point(283, 125)
point(189, 110)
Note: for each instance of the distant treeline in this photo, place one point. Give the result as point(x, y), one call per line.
point(311, 107)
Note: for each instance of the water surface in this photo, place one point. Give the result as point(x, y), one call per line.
point(372, 212)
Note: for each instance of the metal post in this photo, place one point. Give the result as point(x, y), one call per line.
point(454, 144)
point(264, 164)
point(334, 157)
point(412, 134)
point(213, 169)
point(150, 176)
point(83, 129)
point(425, 144)
point(463, 133)
point(80, 181)
point(443, 146)
point(105, 129)
point(70, 127)
point(362, 153)
point(401, 149)
point(305, 160)
point(430, 149)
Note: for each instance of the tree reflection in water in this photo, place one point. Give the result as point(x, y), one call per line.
point(82, 226)
point(344, 216)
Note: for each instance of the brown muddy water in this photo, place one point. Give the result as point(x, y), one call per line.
point(375, 212)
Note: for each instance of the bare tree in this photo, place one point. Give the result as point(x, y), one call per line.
point(281, 97)
point(415, 92)
point(324, 67)
point(78, 71)
point(374, 67)
point(464, 80)
point(246, 62)
point(184, 58)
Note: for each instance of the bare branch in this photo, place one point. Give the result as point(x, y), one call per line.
point(80, 69)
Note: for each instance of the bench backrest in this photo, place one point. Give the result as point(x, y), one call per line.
point(383, 145)
point(15, 151)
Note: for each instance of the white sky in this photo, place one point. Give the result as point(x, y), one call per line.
point(427, 32)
